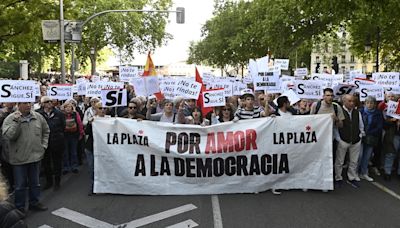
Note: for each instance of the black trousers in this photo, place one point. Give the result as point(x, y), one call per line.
point(52, 161)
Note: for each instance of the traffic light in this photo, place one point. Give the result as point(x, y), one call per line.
point(180, 15)
point(318, 67)
point(335, 65)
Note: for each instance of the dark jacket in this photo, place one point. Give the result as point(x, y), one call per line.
point(56, 122)
point(10, 217)
point(373, 122)
point(89, 133)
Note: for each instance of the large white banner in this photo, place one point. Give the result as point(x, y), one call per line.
point(153, 158)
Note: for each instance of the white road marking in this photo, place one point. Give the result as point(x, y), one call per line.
point(383, 188)
point(81, 218)
point(160, 216)
point(45, 226)
point(185, 224)
point(216, 212)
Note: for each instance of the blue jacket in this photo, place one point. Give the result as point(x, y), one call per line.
point(373, 121)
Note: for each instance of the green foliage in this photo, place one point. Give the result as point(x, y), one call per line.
point(241, 30)
point(21, 35)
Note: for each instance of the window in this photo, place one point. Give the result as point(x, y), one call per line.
point(351, 67)
point(343, 59)
point(317, 59)
point(352, 60)
point(343, 69)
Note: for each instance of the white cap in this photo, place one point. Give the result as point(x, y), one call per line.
point(247, 92)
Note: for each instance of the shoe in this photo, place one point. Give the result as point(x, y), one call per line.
point(353, 183)
point(38, 207)
point(276, 192)
point(366, 177)
point(338, 183)
point(47, 186)
point(375, 171)
point(387, 177)
point(75, 171)
point(357, 178)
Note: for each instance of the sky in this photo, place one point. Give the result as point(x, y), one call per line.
point(177, 49)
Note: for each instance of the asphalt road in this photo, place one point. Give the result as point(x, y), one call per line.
point(368, 206)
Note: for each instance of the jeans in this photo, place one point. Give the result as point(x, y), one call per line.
point(389, 157)
point(70, 152)
point(24, 175)
point(90, 161)
point(364, 159)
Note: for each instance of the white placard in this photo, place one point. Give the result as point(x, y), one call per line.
point(74, 89)
point(301, 72)
point(359, 81)
point(128, 72)
point(145, 86)
point(343, 89)
point(17, 91)
point(394, 90)
point(223, 83)
point(37, 90)
point(253, 71)
point(329, 80)
point(95, 78)
point(356, 74)
point(188, 89)
point(94, 89)
point(392, 108)
point(386, 79)
point(213, 98)
point(238, 86)
point(81, 88)
point(248, 79)
point(59, 92)
point(262, 64)
point(207, 78)
point(267, 81)
point(114, 98)
point(309, 89)
point(80, 80)
point(373, 90)
point(282, 63)
point(167, 87)
point(291, 95)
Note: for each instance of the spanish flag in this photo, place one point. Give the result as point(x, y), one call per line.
point(150, 70)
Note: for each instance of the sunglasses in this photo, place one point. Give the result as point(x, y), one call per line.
point(261, 99)
point(100, 108)
point(132, 107)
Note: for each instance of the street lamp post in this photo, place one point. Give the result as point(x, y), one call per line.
point(93, 58)
point(62, 43)
point(368, 47)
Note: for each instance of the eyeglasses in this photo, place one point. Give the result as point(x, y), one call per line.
point(132, 107)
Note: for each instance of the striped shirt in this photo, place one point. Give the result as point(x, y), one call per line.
point(244, 114)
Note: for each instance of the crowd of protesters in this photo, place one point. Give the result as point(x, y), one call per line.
point(58, 135)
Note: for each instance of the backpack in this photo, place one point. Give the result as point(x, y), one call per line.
point(71, 124)
point(335, 107)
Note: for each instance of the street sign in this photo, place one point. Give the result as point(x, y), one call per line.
point(72, 31)
point(51, 30)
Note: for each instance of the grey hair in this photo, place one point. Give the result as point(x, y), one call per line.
point(370, 99)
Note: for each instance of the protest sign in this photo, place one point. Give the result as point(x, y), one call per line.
point(223, 83)
point(329, 80)
point(356, 74)
point(213, 98)
point(291, 95)
point(114, 98)
point(127, 72)
point(373, 90)
point(394, 90)
point(17, 91)
point(148, 158)
point(145, 86)
point(80, 80)
point(81, 87)
point(238, 86)
point(95, 78)
point(392, 109)
point(188, 89)
point(262, 64)
point(300, 72)
point(60, 91)
point(309, 89)
point(167, 87)
point(282, 63)
point(94, 89)
point(37, 90)
point(386, 79)
point(360, 81)
point(343, 89)
point(268, 81)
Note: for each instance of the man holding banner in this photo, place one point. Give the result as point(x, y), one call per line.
point(28, 133)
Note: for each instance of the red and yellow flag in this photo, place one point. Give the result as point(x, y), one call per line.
point(149, 68)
